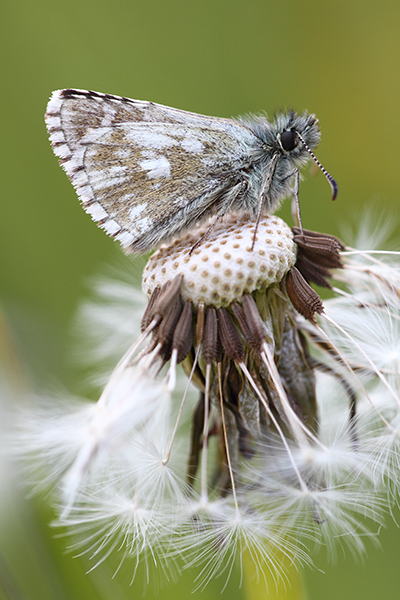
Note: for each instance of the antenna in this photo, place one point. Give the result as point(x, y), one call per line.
point(332, 182)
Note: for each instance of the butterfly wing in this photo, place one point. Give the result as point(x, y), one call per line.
point(144, 171)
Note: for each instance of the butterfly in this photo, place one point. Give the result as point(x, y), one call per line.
point(147, 172)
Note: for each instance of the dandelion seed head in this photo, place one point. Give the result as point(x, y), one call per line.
point(224, 266)
point(294, 432)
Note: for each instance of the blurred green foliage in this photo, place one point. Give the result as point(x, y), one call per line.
point(219, 57)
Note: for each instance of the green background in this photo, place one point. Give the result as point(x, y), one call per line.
point(338, 59)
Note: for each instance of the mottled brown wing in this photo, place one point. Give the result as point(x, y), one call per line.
point(143, 170)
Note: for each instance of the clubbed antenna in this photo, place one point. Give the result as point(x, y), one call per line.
point(332, 182)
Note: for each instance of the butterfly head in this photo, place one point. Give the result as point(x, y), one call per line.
point(293, 132)
point(296, 137)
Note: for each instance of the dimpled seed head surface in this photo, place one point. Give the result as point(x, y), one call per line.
point(224, 267)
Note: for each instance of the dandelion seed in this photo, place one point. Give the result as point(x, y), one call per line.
point(295, 435)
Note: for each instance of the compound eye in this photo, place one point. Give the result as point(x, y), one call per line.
point(288, 140)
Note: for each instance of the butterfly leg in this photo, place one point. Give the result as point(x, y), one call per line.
point(295, 198)
point(259, 213)
point(264, 194)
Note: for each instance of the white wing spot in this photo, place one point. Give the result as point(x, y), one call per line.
point(116, 171)
point(192, 145)
point(136, 211)
point(111, 227)
point(150, 139)
point(125, 238)
point(57, 137)
point(109, 116)
point(104, 182)
point(156, 167)
point(123, 153)
point(97, 211)
point(143, 225)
